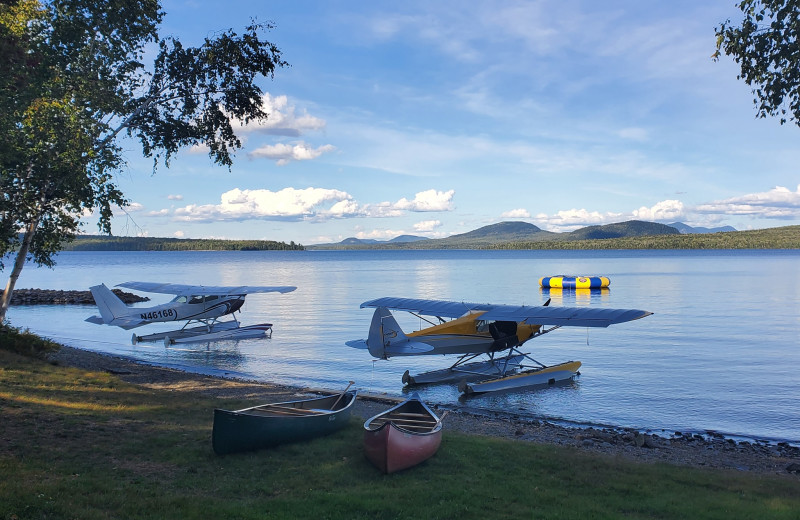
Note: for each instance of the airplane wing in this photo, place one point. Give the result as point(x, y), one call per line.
point(193, 290)
point(565, 316)
point(534, 315)
point(446, 309)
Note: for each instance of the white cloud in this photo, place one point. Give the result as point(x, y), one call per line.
point(777, 203)
point(286, 204)
point(306, 204)
point(344, 208)
point(175, 197)
point(666, 210)
point(516, 213)
point(571, 219)
point(381, 210)
point(430, 200)
point(284, 153)
point(282, 119)
point(178, 234)
point(427, 225)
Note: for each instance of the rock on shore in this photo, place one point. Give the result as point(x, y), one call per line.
point(56, 297)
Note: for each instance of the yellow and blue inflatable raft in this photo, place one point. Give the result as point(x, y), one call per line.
point(574, 282)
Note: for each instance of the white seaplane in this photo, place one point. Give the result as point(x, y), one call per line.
point(473, 330)
point(194, 304)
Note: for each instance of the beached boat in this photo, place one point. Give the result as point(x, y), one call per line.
point(402, 436)
point(269, 425)
point(542, 376)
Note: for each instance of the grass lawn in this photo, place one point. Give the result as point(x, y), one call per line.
point(77, 444)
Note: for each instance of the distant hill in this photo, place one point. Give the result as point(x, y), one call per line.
point(688, 230)
point(504, 230)
point(353, 241)
point(631, 228)
point(404, 239)
point(512, 232)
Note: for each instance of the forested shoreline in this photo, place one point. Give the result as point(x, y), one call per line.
point(787, 237)
point(111, 243)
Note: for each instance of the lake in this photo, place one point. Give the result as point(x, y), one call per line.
point(721, 351)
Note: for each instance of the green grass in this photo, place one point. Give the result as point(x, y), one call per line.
point(77, 444)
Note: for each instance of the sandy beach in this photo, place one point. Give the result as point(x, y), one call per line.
point(707, 451)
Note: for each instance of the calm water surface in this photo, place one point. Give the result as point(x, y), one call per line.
point(719, 353)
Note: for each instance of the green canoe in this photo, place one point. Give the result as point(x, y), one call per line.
point(268, 425)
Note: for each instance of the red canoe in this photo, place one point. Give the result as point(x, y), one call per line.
point(403, 436)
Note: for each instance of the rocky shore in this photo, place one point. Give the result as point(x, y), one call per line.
point(706, 451)
point(55, 297)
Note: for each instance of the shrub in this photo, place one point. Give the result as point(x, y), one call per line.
point(25, 342)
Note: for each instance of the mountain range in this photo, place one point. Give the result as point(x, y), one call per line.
point(688, 230)
point(514, 231)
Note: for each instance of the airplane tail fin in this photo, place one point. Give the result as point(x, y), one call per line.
point(386, 338)
point(109, 305)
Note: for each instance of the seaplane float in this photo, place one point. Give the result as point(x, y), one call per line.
point(492, 332)
point(198, 305)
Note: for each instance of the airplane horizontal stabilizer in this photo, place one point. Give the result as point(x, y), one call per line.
point(128, 324)
point(357, 343)
point(407, 348)
point(97, 320)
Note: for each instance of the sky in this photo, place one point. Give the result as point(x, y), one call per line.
point(437, 118)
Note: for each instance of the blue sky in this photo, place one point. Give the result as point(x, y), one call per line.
point(436, 118)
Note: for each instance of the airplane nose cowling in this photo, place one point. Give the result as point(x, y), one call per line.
point(236, 305)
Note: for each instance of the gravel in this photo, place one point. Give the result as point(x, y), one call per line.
point(706, 451)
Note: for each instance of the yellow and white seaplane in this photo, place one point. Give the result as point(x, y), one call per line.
point(194, 304)
point(472, 330)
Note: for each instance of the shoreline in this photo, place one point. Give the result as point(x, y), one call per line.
point(693, 450)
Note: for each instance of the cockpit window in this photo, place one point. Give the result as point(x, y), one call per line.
point(482, 325)
point(211, 298)
point(180, 299)
point(196, 299)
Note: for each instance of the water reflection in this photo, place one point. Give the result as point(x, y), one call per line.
point(701, 361)
point(575, 297)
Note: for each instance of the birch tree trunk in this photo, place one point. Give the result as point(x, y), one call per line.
point(19, 263)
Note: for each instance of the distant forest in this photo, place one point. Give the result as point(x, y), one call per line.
point(110, 243)
point(787, 237)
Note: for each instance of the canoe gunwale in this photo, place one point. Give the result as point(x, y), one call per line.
point(248, 430)
point(437, 424)
point(391, 447)
point(292, 404)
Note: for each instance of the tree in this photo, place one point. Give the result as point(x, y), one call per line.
point(767, 47)
point(72, 84)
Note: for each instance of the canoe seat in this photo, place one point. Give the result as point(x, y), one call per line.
point(410, 424)
point(287, 410)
